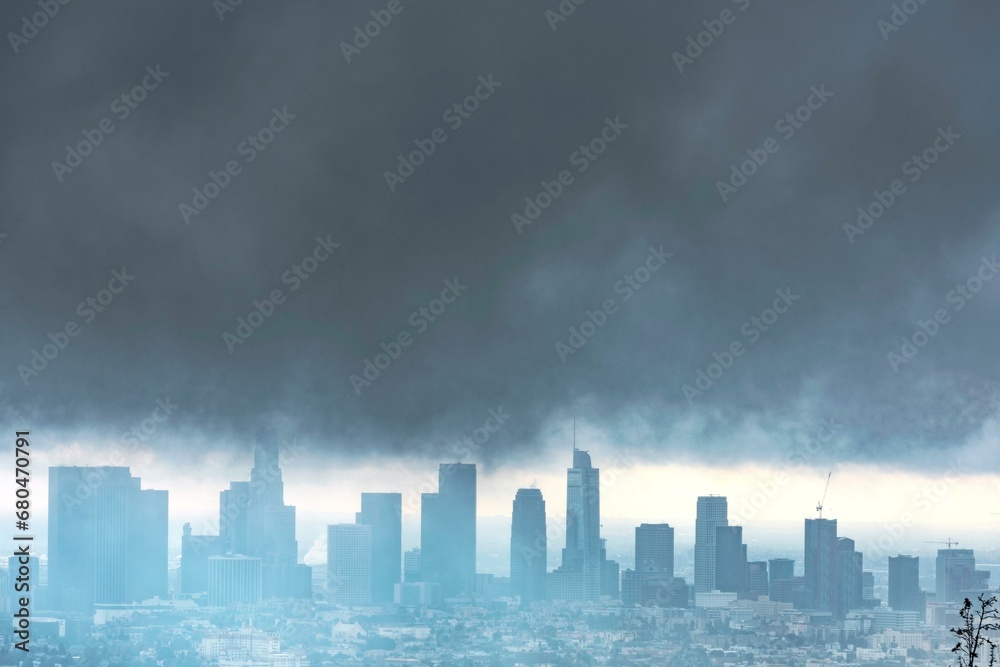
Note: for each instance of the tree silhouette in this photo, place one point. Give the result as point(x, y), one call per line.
point(973, 636)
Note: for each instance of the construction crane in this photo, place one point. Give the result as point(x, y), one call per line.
point(819, 505)
point(947, 541)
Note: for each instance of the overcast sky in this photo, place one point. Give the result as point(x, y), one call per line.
point(309, 117)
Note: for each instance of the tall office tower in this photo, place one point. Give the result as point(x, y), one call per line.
point(349, 563)
point(610, 574)
point(448, 530)
point(652, 581)
point(850, 564)
point(581, 558)
point(411, 566)
point(654, 549)
point(757, 583)
point(528, 546)
point(868, 591)
point(904, 584)
point(233, 580)
point(779, 569)
point(821, 563)
point(233, 516)
point(107, 538)
point(270, 523)
point(713, 511)
point(195, 552)
point(384, 513)
point(956, 575)
point(730, 559)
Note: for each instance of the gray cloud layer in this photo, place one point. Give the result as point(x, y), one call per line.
point(496, 344)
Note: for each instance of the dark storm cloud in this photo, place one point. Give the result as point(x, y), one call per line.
point(322, 177)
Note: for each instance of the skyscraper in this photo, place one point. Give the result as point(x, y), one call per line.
point(411, 566)
point(349, 563)
point(384, 513)
point(233, 517)
point(713, 511)
point(904, 584)
point(528, 546)
point(652, 581)
point(821, 563)
point(579, 577)
point(654, 549)
point(448, 530)
point(195, 552)
point(107, 538)
point(850, 564)
point(233, 580)
point(270, 523)
point(730, 559)
point(956, 575)
point(757, 583)
point(779, 569)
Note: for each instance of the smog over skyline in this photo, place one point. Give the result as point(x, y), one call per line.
point(317, 314)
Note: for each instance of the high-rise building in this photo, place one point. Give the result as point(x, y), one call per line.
point(107, 538)
point(850, 565)
point(448, 530)
point(270, 523)
point(411, 566)
point(904, 584)
point(956, 575)
point(195, 552)
point(349, 564)
point(652, 582)
point(821, 563)
point(384, 513)
point(757, 583)
point(581, 574)
point(713, 511)
point(730, 559)
point(528, 546)
point(779, 569)
point(868, 600)
point(233, 579)
point(233, 517)
point(610, 574)
point(654, 549)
